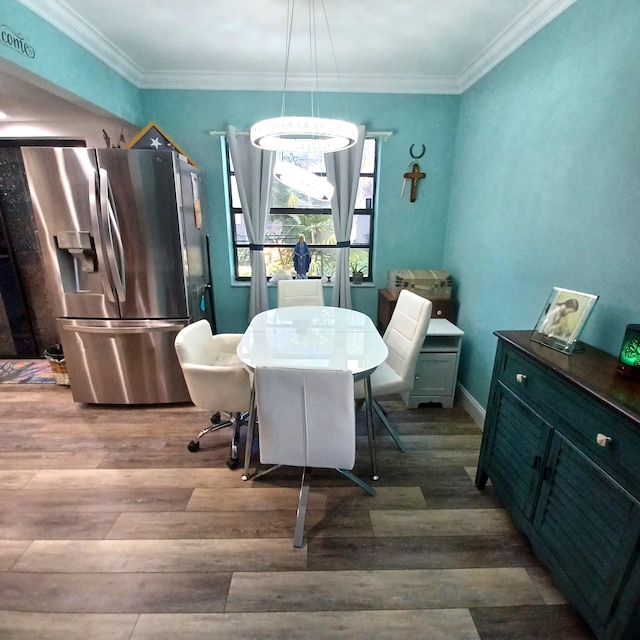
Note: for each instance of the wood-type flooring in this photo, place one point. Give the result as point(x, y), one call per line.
point(111, 529)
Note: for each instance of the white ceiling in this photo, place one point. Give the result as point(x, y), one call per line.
point(379, 46)
point(407, 46)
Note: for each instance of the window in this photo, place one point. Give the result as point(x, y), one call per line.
point(294, 213)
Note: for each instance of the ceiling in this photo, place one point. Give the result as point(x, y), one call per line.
point(379, 46)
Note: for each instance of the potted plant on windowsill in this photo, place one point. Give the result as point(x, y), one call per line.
point(357, 271)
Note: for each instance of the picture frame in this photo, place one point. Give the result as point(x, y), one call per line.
point(563, 318)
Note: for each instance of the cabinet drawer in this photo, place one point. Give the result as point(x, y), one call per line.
point(525, 378)
point(446, 308)
point(577, 415)
point(619, 453)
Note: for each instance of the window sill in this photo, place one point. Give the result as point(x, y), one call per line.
point(328, 285)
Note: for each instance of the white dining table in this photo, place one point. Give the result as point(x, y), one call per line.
point(313, 337)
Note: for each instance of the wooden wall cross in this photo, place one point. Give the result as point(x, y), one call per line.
point(414, 176)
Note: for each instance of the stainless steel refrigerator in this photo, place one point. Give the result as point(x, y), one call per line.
point(124, 241)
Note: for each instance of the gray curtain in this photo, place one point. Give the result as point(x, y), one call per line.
point(254, 174)
point(343, 172)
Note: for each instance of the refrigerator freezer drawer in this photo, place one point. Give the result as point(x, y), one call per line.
point(123, 361)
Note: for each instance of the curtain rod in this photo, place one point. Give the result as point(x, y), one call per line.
point(370, 134)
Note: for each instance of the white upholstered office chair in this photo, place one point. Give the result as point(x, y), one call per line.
point(306, 418)
point(294, 293)
point(404, 336)
point(216, 379)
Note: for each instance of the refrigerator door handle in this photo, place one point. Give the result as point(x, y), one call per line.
point(77, 327)
point(94, 192)
point(111, 238)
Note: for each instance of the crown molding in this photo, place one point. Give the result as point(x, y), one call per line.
point(62, 17)
point(274, 82)
point(59, 15)
point(512, 38)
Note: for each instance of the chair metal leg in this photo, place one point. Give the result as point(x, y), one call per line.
point(370, 434)
point(232, 462)
point(260, 474)
point(303, 498)
point(388, 426)
point(216, 424)
point(236, 420)
point(361, 483)
point(251, 426)
point(298, 535)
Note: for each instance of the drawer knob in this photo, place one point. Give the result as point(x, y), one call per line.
point(521, 377)
point(439, 312)
point(602, 440)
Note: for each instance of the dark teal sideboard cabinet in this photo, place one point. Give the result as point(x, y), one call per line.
point(561, 445)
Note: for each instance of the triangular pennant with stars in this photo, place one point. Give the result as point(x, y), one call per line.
point(153, 137)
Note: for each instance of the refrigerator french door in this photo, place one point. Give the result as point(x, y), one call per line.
point(124, 241)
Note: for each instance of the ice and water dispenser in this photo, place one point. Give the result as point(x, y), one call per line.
point(77, 259)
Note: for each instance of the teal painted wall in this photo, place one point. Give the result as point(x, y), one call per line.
point(66, 64)
point(408, 235)
point(532, 175)
point(546, 183)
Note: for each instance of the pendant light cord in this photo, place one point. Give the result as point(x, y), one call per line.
point(313, 52)
point(290, 10)
point(335, 62)
point(313, 55)
point(300, 133)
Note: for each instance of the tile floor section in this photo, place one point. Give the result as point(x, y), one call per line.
point(110, 528)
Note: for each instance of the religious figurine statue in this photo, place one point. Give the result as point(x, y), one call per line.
point(301, 258)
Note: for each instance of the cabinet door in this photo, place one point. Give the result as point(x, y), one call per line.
point(435, 374)
point(516, 449)
point(589, 523)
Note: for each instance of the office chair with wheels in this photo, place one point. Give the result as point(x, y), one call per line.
point(306, 418)
point(216, 379)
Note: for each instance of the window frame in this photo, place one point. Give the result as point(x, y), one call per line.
point(286, 211)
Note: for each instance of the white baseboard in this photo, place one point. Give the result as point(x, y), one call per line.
point(472, 406)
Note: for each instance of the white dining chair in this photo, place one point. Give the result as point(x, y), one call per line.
point(216, 380)
point(295, 293)
point(404, 337)
point(306, 418)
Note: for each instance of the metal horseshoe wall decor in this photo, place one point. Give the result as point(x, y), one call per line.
point(414, 156)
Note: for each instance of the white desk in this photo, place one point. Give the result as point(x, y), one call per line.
point(314, 337)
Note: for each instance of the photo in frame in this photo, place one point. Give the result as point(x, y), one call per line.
point(563, 318)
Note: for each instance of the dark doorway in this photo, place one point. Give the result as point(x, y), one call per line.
point(27, 324)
